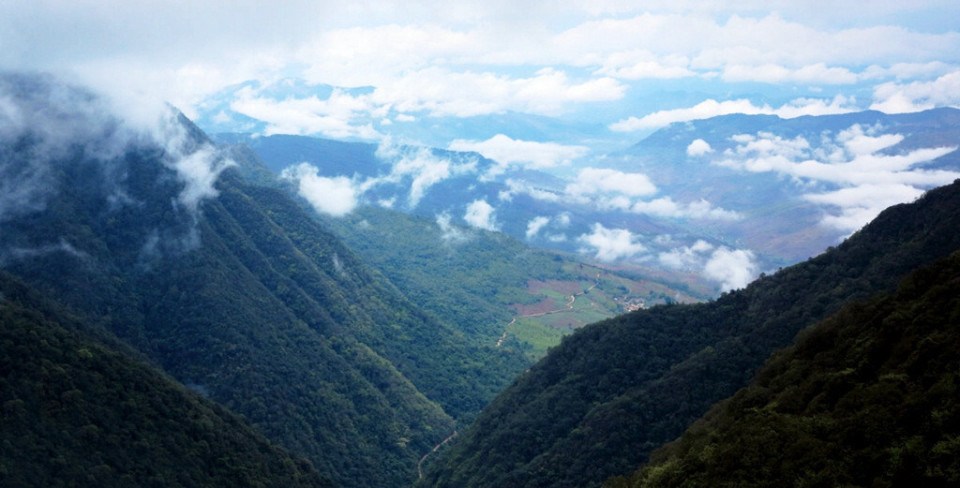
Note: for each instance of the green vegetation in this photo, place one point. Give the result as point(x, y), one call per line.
point(249, 301)
point(479, 282)
point(869, 397)
point(610, 393)
point(75, 412)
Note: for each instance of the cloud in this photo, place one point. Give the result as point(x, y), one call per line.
point(814, 74)
point(513, 152)
point(421, 166)
point(610, 245)
point(449, 233)
point(446, 58)
point(608, 189)
point(917, 96)
point(535, 225)
point(332, 196)
point(860, 204)
point(698, 147)
point(700, 209)
point(604, 181)
point(440, 92)
point(686, 257)
point(641, 64)
point(733, 269)
point(857, 164)
point(712, 108)
point(341, 115)
point(481, 215)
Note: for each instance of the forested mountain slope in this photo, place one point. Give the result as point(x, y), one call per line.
point(599, 403)
point(75, 412)
point(231, 288)
point(868, 397)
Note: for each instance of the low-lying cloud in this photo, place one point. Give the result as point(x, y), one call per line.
point(481, 215)
point(858, 165)
point(731, 269)
point(517, 153)
point(712, 108)
point(45, 124)
point(332, 196)
point(609, 245)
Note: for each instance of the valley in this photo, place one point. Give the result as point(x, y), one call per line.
point(288, 310)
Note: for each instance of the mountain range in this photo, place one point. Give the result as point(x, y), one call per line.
point(610, 393)
point(722, 199)
point(180, 310)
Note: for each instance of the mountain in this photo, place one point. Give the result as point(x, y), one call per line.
point(723, 198)
point(78, 412)
point(868, 397)
point(492, 287)
point(793, 180)
point(139, 226)
point(599, 403)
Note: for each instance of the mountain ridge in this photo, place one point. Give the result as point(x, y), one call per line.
point(613, 391)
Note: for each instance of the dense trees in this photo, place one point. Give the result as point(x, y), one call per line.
point(869, 397)
point(614, 391)
point(75, 412)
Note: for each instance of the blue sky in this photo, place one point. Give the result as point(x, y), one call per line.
point(566, 79)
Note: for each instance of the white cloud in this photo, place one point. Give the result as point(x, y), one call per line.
point(535, 225)
point(337, 116)
point(698, 147)
point(441, 92)
point(862, 176)
point(919, 95)
point(332, 196)
point(712, 108)
point(450, 233)
point(733, 269)
point(421, 165)
point(700, 209)
point(449, 58)
point(860, 204)
point(610, 245)
point(686, 257)
point(481, 215)
point(508, 151)
point(639, 64)
point(814, 74)
point(603, 181)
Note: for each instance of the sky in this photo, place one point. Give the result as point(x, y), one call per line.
point(543, 85)
point(563, 80)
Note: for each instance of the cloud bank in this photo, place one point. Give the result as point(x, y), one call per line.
point(858, 164)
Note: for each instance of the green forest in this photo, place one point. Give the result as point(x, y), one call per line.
point(611, 393)
point(78, 413)
point(868, 397)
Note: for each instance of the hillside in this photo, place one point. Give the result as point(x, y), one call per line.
point(231, 288)
point(494, 288)
point(599, 403)
point(76, 412)
point(868, 397)
point(771, 191)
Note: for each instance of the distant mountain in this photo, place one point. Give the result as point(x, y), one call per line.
point(795, 181)
point(599, 403)
point(233, 289)
point(78, 412)
point(869, 397)
point(492, 287)
point(724, 198)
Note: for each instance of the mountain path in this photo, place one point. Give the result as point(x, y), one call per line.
point(435, 448)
